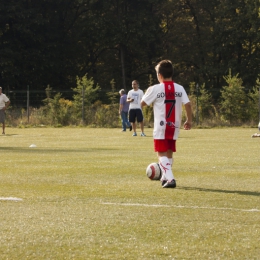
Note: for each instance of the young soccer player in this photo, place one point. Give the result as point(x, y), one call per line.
point(167, 98)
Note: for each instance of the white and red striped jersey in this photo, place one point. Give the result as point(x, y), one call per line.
point(167, 99)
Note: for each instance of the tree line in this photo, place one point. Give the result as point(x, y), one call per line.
point(235, 107)
point(52, 42)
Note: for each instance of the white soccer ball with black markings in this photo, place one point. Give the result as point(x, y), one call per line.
point(153, 171)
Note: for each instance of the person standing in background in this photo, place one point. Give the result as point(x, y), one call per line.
point(4, 103)
point(134, 97)
point(123, 111)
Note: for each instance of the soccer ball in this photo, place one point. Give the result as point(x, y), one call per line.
point(153, 171)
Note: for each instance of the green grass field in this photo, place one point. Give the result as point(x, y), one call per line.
point(84, 195)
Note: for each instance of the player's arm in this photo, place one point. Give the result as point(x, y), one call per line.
point(143, 104)
point(120, 108)
point(188, 122)
point(129, 100)
point(6, 105)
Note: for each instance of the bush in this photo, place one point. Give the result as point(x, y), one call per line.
point(233, 100)
point(235, 107)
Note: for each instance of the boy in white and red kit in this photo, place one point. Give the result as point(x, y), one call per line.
point(167, 98)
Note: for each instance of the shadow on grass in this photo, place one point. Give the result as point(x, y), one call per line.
point(53, 150)
point(7, 135)
point(248, 193)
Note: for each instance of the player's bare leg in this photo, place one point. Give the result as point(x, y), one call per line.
point(168, 180)
point(142, 128)
point(134, 128)
point(3, 129)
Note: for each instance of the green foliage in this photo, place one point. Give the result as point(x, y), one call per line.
point(206, 107)
point(107, 116)
point(233, 100)
point(253, 104)
point(148, 115)
point(112, 95)
point(45, 42)
point(202, 100)
point(85, 87)
point(148, 110)
point(235, 107)
point(193, 98)
point(57, 109)
point(86, 94)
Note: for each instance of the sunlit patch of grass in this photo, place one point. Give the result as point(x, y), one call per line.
point(85, 195)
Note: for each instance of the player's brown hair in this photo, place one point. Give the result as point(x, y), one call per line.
point(165, 68)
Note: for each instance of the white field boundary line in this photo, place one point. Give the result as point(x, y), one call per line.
point(178, 206)
point(10, 198)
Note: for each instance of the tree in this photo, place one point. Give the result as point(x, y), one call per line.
point(206, 107)
point(253, 105)
point(130, 29)
point(39, 43)
point(204, 38)
point(233, 100)
point(50, 42)
point(86, 94)
point(57, 110)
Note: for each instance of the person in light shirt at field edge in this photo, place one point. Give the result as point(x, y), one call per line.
point(4, 103)
point(167, 98)
point(123, 111)
point(134, 97)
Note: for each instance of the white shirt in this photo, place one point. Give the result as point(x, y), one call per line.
point(137, 96)
point(157, 95)
point(3, 100)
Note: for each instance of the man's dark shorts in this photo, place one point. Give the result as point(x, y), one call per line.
point(2, 116)
point(136, 114)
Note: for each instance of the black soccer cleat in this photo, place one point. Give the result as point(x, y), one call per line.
point(163, 182)
point(169, 184)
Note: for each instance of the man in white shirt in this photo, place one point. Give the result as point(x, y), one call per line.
point(167, 98)
point(4, 103)
point(134, 97)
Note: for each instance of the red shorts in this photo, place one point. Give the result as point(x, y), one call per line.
point(163, 145)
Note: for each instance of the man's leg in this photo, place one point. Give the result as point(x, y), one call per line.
point(134, 126)
point(140, 120)
point(123, 118)
point(132, 120)
point(127, 121)
point(142, 126)
point(3, 128)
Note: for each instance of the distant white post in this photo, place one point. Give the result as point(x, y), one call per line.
point(28, 104)
point(83, 105)
point(197, 104)
point(259, 110)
